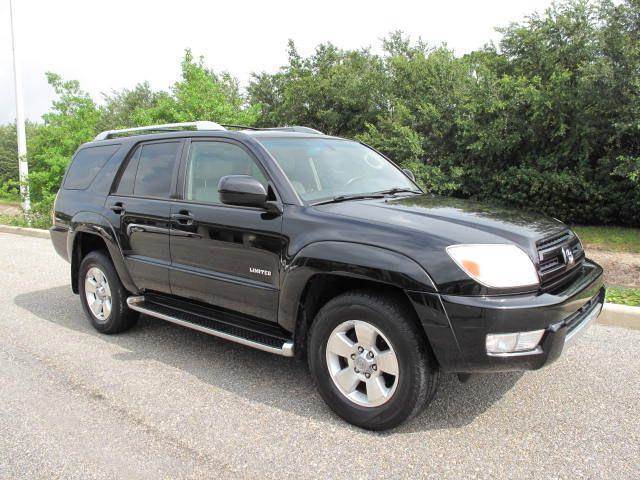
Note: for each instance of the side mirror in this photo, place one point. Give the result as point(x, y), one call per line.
point(409, 174)
point(243, 190)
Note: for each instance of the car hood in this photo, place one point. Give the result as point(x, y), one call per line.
point(421, 227)
point(453, 219)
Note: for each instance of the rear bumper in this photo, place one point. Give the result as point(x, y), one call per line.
point(59, 240)
point(563, 315)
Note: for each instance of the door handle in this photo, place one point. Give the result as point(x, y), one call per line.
point(184, 217)
point(117, 207)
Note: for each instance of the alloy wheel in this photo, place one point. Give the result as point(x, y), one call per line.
point(98, 293)
point(362, 363)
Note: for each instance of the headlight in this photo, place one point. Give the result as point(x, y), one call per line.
point(497, 266)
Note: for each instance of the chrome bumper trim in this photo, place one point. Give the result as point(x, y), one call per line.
point(535, 351)
point(586, 322)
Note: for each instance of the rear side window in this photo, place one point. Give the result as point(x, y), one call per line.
point(149, 171)
point(155, 169)
point(125, 185)
point(86, 165)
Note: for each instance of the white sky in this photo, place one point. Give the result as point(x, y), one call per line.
point(114, 44)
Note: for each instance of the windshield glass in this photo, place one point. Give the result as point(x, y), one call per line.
point(321, 168)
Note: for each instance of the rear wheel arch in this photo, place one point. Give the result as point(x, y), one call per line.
point(83, 244)
point(92, 237)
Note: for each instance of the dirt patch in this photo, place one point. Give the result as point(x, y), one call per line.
point(8, 209)
point(620, 269)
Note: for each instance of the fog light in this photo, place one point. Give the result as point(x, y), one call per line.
point(517, 342)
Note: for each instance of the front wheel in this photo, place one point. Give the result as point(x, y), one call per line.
point(370, 361)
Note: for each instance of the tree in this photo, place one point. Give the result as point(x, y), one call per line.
point(201, 94)
point(335, 91)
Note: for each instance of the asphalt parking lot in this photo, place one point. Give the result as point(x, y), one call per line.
point(161, 401)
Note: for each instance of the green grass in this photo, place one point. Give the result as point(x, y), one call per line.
point(20, 221)
point(624, 296)
point(9, 201)
point(616, 239)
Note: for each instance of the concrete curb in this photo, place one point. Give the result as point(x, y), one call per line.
point(612, 313)
point(620, 316)
point(27, 232)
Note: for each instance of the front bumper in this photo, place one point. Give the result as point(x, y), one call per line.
point(563, 315)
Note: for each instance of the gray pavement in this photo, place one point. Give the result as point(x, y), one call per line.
point(162, 401)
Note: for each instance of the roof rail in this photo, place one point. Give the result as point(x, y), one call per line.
point(292, 128)
point(202, 125)
point(297, 128)
point(240, 127)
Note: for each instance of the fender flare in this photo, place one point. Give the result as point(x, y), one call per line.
point(95, 224)
point(349, 259)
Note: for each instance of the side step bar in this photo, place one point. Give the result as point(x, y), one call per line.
point(215, 325)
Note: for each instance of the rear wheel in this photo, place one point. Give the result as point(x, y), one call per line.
point(103, 296)
point(370, 361)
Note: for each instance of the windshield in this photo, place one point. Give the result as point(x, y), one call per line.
point(321, 168)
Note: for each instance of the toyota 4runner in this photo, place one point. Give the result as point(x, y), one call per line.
point(307, 245)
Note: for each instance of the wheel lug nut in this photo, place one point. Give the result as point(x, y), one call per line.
point(353, 356)
point(360, 349)
point(370, 355)
point(356, 370)
point(367, 375)
point(374, 367)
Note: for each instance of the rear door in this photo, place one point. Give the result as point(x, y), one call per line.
point(224, 255)
point(141, 207)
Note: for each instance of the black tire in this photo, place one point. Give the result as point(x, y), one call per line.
point(417, 367)
point(121, 317)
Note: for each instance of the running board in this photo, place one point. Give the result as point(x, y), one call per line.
point(218, 324)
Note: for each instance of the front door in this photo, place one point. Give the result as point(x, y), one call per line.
point(224, 255)
point(141, 201)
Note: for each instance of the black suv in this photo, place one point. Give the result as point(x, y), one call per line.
point(298, 243)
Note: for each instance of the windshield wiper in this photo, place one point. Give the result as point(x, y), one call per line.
point(395, 190)
point(343, 198)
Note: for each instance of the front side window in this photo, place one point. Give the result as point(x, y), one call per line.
point(321, 168)
point(209, 162)
point(155, 169)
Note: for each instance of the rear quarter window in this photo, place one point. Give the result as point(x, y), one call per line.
point(86, 164)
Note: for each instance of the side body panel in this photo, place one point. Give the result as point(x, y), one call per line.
point(228, 257)
point(143, 234)
point(350, 260)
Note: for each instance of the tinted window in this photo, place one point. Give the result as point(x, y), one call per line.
point(86, 165)
point(209, 162)
point(155, 169)
point(125, 185)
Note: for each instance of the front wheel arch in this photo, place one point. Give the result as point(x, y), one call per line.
point(322, 288)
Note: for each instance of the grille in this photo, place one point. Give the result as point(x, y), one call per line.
point(560, 257)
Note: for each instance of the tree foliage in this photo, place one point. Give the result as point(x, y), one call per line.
point(548, 119)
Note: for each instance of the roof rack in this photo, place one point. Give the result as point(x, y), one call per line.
point(202, 125)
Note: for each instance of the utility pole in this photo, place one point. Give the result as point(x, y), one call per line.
point(23, 168)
